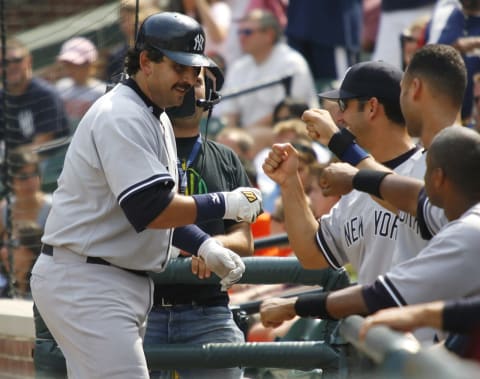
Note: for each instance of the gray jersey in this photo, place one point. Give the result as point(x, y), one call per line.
point(360, 231)
point(119, 148)
point(446, 269)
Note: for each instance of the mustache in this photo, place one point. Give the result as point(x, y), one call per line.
point(183, 86)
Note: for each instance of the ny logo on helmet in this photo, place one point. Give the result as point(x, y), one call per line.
point(199, 41)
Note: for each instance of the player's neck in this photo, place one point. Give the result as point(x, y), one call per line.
point(185, 131)
point(389, 143)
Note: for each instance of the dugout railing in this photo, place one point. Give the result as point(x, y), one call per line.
point(311, 351)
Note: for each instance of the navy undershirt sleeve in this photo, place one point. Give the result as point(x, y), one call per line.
point(377, 296)
point(461, 316)
point(142, 207)
point(422, 224)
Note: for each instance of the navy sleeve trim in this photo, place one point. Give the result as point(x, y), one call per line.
point(382, 294)
point(165, 179)
point(327, 253)
point(142, 207)
point(423, 202)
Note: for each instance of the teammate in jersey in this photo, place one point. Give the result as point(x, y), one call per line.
point(194, 313)
point(431, 98)
point(116, 204)
point(357, 229)
point(447, 268)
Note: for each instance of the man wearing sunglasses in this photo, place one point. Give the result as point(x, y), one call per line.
point(35, 111)
point(267, 58)
point(357, 230)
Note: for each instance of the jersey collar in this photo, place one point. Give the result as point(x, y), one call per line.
point(150, 105)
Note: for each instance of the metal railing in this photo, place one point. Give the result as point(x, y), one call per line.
point(397, 356)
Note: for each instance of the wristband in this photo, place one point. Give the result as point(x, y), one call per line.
point(340, 141)
point(313, 306)
point(189, 238)
point(343, 145)
point(369, 181)
point(210, 206)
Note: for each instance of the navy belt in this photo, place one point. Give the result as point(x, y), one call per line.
point(48, 250)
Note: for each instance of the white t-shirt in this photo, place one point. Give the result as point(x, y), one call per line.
point(246, 73)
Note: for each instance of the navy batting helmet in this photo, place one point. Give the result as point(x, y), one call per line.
point(177, 36)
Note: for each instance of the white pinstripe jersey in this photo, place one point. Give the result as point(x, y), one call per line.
point(445, 269)
point(118, 148)
point(360, 231)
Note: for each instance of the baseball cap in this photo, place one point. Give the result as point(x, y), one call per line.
point(78, 50)
point(368, 79)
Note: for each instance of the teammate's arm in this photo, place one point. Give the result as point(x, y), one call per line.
point(238, 238)
point(398, 192)
point(281, 166)
point(333, 305)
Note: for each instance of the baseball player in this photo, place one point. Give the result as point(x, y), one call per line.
point(431, 98)
point(357, 229)
point(447, 268)
point(116, 204)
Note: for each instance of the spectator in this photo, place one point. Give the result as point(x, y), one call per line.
point(357, 230)
point(28, 204)
point(35, 112)
point(25, 251)
point(451, 255)
point(267, 59)
point(216, 17)
point(461, 29)
point(287, 109)
point(205, 166)
point(475, 121)
point(371, 17)
point(413, 38)
point(127, 14)
point(395, 17)
point(79, 88)
point(327, 33)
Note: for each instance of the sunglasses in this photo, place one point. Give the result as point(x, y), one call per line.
point(342, 103)
point(26, 176)
point(15, 60)
point(247, 31)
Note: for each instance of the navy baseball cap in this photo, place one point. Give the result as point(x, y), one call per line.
point(368, 79)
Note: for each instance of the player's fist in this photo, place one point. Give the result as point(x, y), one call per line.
point(243, 204)
point(222, 261)
point(320, 125)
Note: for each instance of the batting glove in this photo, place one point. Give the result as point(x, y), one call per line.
point(222, 261)
point(243, 204)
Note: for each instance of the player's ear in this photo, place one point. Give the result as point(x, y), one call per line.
point(145, 63)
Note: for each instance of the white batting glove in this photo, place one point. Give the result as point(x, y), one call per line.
point(243, 204)
point(222, 261)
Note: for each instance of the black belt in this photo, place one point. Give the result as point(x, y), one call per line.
point(48, 250)
point(165, 302)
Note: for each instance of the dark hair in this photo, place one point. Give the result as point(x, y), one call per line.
point(132, 60)
point(391, 107)
point(295, 109)
point(443, 68)
point(19, 158)
point(456, 150)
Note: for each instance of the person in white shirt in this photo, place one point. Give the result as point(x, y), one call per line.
point(267, 59)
